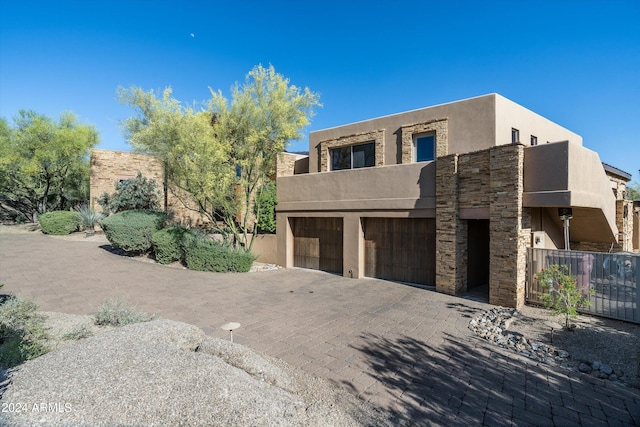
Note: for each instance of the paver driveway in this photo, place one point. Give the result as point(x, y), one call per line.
point(404, 349)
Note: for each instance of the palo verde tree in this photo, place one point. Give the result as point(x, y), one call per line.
point(222, 155)
point(263, 116)
point(44, 165)
point(198, 166)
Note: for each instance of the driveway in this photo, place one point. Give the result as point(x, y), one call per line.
point(404, 349)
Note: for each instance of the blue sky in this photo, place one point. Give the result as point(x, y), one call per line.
point(574, 62)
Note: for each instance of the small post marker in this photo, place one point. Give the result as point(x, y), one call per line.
point(230, 327)
point(553, 326)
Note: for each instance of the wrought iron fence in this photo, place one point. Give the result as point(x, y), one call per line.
point(613, 276)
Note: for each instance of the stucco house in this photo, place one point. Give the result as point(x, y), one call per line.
point(448, 196)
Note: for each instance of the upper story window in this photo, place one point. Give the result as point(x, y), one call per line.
point(424, 148)
point(515, 135)
point(353, 156)
point(534, 140)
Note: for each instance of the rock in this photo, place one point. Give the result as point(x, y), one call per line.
point(606, 369)
point(149, 374)
point(595, 365)
point(563, 354)
point(584, 368)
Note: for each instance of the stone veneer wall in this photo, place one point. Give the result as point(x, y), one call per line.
point(109, 167)
point(510, 226)
point(474, 179)
point(377, 136)
point(439, 127)
point(451, 232)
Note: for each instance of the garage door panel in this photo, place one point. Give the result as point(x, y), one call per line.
point(317, 243)
point(400, 249)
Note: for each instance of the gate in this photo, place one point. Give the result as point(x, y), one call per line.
point(613, 276)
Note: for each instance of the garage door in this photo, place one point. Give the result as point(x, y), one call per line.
point(401, 249)
point(317, 243)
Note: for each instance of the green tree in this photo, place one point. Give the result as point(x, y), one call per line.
point(264, 115)
point(221, 155)
point(44, 164)
point(198, 167)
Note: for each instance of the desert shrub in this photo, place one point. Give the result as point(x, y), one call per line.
point(209, 255)
point(168, 244)
point(59, 222)
point(89, 217)
point(78, 332)
point(563, 296)
point(131, 194)
point(22, 333)
point(116, 312)
point(266, 199)
point(131, 231)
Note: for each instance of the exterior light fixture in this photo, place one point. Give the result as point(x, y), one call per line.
point(230, 327)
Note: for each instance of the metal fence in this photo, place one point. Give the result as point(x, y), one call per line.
point(613, 276)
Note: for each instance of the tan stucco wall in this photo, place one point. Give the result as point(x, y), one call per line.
point(472, 124)
point(565, 174)
point(404, 187)
point(511, 115)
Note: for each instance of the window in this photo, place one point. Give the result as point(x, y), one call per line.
point(424, 148)
point(515, 136)
point(534, 140)
point(353, 156)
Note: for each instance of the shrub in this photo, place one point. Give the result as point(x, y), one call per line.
point(209, 255)
point(89, 218)
point(59, 222)
point(116, 313)
point(131, 231)
point(267, 201)
point(168, 244)
point(131, 194)
point(563, 296)
point(22, 333)
point(78, 332)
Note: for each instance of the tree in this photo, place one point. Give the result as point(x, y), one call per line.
point(264, 115)
point(44, 164)
point(198, 167)
point(221, 155)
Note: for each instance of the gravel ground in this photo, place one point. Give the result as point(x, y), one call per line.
point(608, 341)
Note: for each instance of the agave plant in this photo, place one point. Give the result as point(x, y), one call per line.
point(89, 217)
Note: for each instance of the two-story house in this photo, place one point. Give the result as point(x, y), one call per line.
point(447, 196)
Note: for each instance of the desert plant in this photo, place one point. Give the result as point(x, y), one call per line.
point(131, 194)
point(131, 231)
point(168, 244)
point(78, 332)
point(265, 208)
point(22, 333)
point(89, 218)
point(116, 312)
point(59, 222)
point(563, 296)
point(209, 255)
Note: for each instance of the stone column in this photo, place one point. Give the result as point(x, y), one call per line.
point(510, 226)
point(451, 232)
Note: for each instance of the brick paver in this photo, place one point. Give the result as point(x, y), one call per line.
point(406, 350)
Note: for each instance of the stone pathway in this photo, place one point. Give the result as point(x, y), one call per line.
point(408, 351)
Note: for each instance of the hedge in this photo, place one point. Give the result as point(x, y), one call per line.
point(168, 244)
point(131, 231)
point(59, 222)
point(209, 255)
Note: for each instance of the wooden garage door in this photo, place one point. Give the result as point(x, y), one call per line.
point(317, 243)
point(401, 249)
